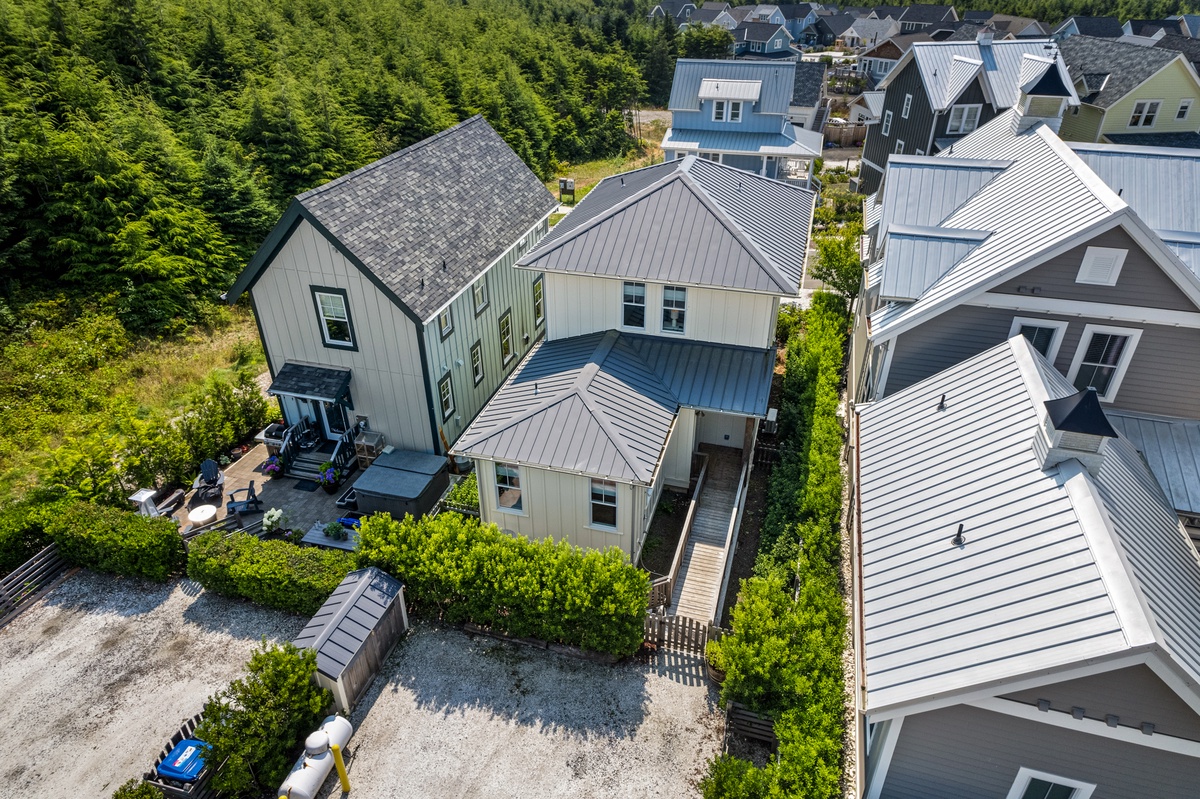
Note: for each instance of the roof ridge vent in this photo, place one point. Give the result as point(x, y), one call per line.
point(1075, 427)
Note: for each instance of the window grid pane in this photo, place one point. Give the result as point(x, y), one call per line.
point(539, 306)
point(334, 318)
point(447, 396)
point(506, 351)
point(1100, 362)
point(634, 301)
point(477, 362)
point(674, 306)
point(1040, 337)
point(508, 486)
point(604, 503)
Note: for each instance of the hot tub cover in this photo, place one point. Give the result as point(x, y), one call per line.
point(411, 461)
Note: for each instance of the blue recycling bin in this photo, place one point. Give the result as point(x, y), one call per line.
point(185, 761)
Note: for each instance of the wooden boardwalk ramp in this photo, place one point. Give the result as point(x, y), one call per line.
point(699, 582)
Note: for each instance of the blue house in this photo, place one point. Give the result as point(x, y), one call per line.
point(736, 113)
point(762, 40)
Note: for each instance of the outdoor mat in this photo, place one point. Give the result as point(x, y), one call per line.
point(306, 485)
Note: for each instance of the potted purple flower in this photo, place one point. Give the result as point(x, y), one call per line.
point(273, 466)
point(328, 477)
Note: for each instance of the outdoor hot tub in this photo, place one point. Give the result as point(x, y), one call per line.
point(402, 481)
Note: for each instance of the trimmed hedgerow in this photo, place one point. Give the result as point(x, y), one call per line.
point(277, 573)
point(116, 541)
point(532, 589)
point(23, 532)
point(784, 656)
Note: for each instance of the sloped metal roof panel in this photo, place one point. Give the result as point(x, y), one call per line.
point(1001, 67)
point(783, 144)
point(345, 620)
point(717, 89)
point(924, 190)
point(916, 258)
point(1161, 184)
point(776, 78)
point(1172, 451)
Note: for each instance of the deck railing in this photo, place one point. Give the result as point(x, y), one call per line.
point(289, 447)
point(343, 457)
point(735, 523)
point(665, 586)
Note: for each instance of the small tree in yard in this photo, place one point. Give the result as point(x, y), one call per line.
point(706, 41)
point(136, 789)
point(256, 723)
point(838, 263)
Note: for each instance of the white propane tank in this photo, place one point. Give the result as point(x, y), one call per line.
point(314, 765)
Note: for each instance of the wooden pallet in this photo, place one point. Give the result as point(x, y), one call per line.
point(31, 581)
point(739, 720)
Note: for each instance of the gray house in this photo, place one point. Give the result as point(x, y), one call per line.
point(388, 297)
point(1028, 602)
point(663, 287)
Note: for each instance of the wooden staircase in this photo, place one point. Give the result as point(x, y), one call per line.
point(703, 569)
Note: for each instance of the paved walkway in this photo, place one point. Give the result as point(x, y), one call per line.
point(699, 582)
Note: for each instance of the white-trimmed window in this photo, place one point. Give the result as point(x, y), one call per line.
point(446, 396)
point(445, 322)
point(336, 330)
point(1046, 335)
point(506, 347)
point(887, 123)
point(1031, 784)
point(714, 157)
point(1144, 113)
point(1101, 266)
point(963, 118)
point(1103, 358)
point(777, 44)
point(508, 487)
point(674, 308)
point(539, 302)
point(918, 151)
point(907, 106)
point(899, 147)
point(633, 305)
point(479, 294)
point(1185, 107)
point(604, 504)
point(477, 362)
point(727, 110)
point(735, 111)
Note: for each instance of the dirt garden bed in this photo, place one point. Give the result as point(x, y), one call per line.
point(99, 674)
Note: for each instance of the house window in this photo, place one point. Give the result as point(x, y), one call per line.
point(539, 302)
point(900, 146)
point(1185, 106)
point(477, 362)
point(506, 348)
point(446, 394)
point(887, 123)
point(445, 323)
point(633, 302)
point(479, 294)
point(604, 503)
point(1144, 113)
point(674, 308)
point(1031, 784)
point(714, 157)
point(777, 44)
point(508, 487)
point(963, 118)
point(919, 151)
point(1102, 359)
point(1045, 335)
point(907, 106)
point(1101, 266)
point(334, 318)
point(728, 110)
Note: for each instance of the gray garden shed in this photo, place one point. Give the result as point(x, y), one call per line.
point(354, 631)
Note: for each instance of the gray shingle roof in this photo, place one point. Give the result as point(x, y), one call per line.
point(1106, 27)
point(1060, 567)
point(690, 222)
point(757, 31)
point(810, 81)
point(924, 12)
point(427, 220)
point(603, 404)
point(1127, 65)
point(1149, 27)
point(1184, 44)
point(344, 622)
point(327, 383)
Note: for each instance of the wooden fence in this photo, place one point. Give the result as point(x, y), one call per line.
point(31, 581)
point(739, 720)
point(680, 633)
point(196, 790)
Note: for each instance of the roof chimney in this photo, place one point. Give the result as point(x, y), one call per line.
point(1075, 427)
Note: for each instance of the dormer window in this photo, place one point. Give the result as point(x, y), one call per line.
point(727, 111)
point(1102, 359)
point(963, 118)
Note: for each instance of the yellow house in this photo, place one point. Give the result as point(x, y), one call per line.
point(1130, 94)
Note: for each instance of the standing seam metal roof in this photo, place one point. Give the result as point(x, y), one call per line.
point(1059, 567)
point(342, 625)
point(1171, 448)
point(777, 78)
point(603, 404)
point(690, 222)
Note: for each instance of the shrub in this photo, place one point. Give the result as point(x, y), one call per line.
point(473, 572)
point(277, 573)
point(465, 493)
point(255, 725)
point(22, 532)
point(136, 789)
point(116, 541)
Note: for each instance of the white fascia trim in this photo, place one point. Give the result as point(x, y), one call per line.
point(874, 166)
point(1134, 335)
point(1178, 680)
point(1137, 622)
point(1187, 65)
point(881, 378)
point(1098, 310)
point(1059, 718)
point(499, 258)
point(886, 750)
point(1100, 665)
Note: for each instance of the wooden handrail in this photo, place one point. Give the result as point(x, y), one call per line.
point(677, 561)
point(735, 522)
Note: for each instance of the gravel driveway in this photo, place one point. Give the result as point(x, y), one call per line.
point(98, 675)
point(456, 716)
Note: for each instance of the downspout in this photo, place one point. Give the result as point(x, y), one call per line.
point(932, 130)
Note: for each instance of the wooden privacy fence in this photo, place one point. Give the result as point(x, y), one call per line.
point(739, 720)
point(30, 581)
point(680, 633)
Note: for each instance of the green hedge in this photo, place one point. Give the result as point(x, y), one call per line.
point(784, 656)
point(277, 573)
point(465, 493)
point(116, 541)
point(22, 532)
point(537, 589)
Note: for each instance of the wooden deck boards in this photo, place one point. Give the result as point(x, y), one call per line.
point(703, 567)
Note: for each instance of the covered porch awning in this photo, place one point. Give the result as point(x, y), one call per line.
point(329, 384)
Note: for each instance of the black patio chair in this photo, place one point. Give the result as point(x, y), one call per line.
point(210, 484)
point(251, 504)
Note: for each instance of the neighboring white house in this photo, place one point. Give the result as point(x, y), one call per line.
point(662, 289)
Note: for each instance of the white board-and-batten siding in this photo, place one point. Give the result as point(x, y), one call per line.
point(386, 383)
point(580, 304)
point(509, 290)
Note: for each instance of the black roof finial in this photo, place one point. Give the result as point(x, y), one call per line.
point(959, 539)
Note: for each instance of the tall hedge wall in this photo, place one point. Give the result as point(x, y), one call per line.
point(116, 541)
